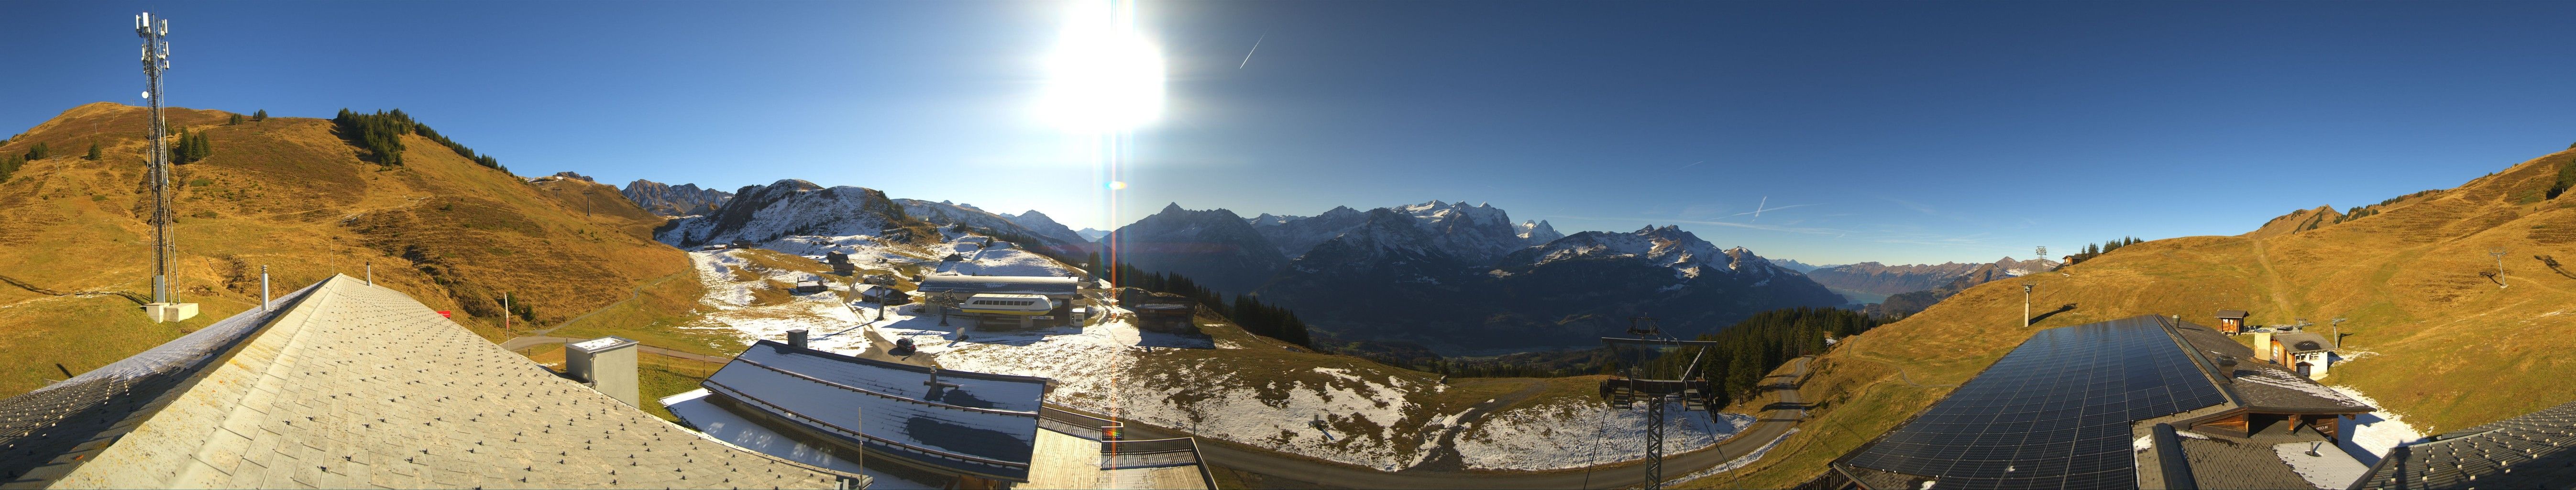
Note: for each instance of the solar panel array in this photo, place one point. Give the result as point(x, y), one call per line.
point(2053, 413)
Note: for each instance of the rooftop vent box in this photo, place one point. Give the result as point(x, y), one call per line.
point(606, 364)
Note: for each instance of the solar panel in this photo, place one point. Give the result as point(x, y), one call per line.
point(2053, 413)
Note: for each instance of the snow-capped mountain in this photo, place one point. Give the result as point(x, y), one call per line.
point(762, 213)
point(1046, 226)
point(944, 213)
point(1215, 248)
point(1479, 233)
point(673, 200)
point(1091, 234)
point(1537, 232)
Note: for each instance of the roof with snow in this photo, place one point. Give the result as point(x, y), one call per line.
point(964, 422)
point(2060, 410)
point(2534, 450)
point(346, 384)
point(1045, 285)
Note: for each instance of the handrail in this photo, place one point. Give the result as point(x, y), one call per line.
point(731, 391)
point(1031, 413)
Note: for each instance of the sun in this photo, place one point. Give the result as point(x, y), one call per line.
point(1104, 76)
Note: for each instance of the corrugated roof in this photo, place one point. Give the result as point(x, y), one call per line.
point(357, 385)
point(975, 423)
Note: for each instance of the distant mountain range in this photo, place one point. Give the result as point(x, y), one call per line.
point(1459, 277)
point(1876, 278)
point(1795, 265)
point(670, 200)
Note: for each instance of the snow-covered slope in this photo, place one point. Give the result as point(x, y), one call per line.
point(1535, 233)
point(1294, 235)
point(1046, 226)
point(762, 213)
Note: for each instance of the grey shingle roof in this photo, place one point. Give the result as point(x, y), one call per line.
point(2238, 314)
point(2534, 450)
point(2298, 342)
point(360, 386)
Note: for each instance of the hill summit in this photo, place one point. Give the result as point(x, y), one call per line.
point(301, 197)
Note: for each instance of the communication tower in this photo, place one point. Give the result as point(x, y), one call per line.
point(165, 305)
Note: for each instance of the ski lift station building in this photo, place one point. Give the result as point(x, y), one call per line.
point(1058, 293)
point(982, 430)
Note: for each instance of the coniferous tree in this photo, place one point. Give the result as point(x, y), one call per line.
point(262, 115)
point(200, 149)
point(236, 120)
point(93, 152)
point(179, 151)
point(39, 152)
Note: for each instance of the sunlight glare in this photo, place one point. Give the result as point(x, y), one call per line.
point(1105, 76)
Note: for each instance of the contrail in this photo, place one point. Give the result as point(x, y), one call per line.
point(1247, 55)
point(1693, 163)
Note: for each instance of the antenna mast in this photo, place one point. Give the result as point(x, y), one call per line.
point(156, 58)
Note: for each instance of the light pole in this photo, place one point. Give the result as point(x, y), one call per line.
point(2025, 304)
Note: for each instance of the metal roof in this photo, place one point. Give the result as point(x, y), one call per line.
point(2237, 314)
point(1047, 285)
point(973, 423)
point(356, 385)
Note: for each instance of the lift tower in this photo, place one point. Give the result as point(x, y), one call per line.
point(1656, 369)
point(165, 305)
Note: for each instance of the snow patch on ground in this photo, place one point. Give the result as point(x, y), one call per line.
point(1741, 461)
point(1573, 433)
point(2373, 434)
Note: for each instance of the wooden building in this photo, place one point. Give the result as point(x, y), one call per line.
point(2231, 322)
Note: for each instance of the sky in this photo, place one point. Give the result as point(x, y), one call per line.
point(1911, 132)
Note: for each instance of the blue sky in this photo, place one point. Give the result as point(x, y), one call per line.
point(1894, 132)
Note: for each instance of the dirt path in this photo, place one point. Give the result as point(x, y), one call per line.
point(1900, 371)
point(2271, 279)
point(630, 296)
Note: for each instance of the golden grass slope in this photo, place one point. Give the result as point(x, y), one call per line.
point(2431, 337)
point(289, 194)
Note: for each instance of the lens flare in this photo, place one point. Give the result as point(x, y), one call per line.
point(1104, 76)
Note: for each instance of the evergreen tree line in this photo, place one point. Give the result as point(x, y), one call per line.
point(191, 148)
point(1750, 349)
point(2566, 178)
point(1261, 319)
point(381, 135)
point(9, 164)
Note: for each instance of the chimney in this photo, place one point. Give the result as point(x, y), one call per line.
point(2263, 345)
point(796, 338)
point(2226, 369)
point(606, 364)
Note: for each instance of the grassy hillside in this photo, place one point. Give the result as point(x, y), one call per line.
point(2432, 338)
point(291, 194)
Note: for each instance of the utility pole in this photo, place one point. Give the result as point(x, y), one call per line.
point(263, 288)
point(505, 313)
point(2499, 253)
